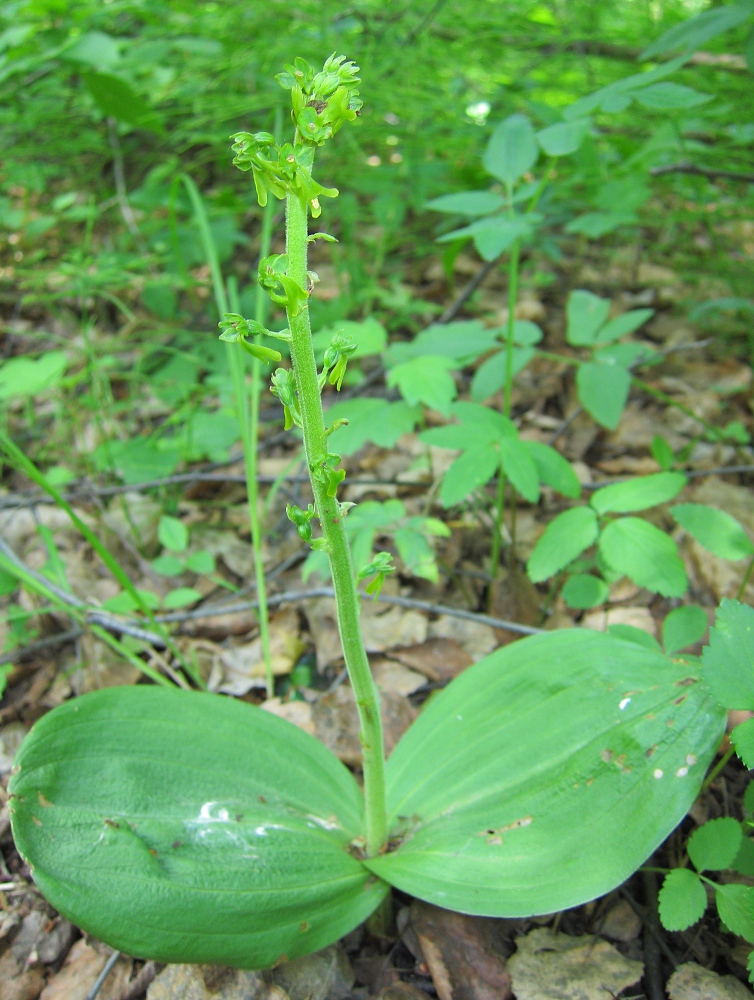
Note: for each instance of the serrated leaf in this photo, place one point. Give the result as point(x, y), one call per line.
point(603, 391)
point(713, 846)
point(586, 313)
point(583, 590)
point(168, 565)
point(735, 905)
point(490, 375)
point(636, 635)
point(644, 554)
point(553, 469)
point(201, 562)
point(683, 627)
point(519, 467)
point(563, 138)
point(459, 437)
point(370, 419)
point(425, 380)
point(180, 597)
point(598, 224)
point(694, 32)
point(496, 235)
point(467, 203)
point(117, 99)
point(742, 738)
point(172, 533)
point(719, 532)
point(512, 150)
point(140, 833)
point(744, 860)
point(682, 900)
point(26, 377)
point(729, 658)
point(616, 328)
point(564, 538)
point(639, 493)
point(669, 96)
point(526, 787)
point(662, 453)
point(469, 471)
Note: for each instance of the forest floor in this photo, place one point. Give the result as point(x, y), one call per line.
point(611, 947)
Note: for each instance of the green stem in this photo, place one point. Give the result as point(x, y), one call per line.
point(747, 576)
point(513, 266)
point(334, 533)
point(497, 534)
point(717, 768)
point(247, 410)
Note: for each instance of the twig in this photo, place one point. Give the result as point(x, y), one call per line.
point(82, 494)
point(138, 987)
point(640, 912)
point(684, 167)
point(652, 963)
point(103, 975)
point(425, 22)
point(467, 291)
point(92, 616)
point(22, 652)
point(120, 184)
point(304, 595)
point(565, 425)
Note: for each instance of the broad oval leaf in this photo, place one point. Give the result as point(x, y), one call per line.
point(565, 537)
point(512, 150)
point(623, 324)
point(459, 437)
point(586, 313)
point(490, 375)
point(172, 533)
point(470, 471)
point(582, 590)
point(563, 138)
point(695, 32)
point(425, 380)
point(683, 627)
point(553, 469)
point(118, 99)
point(544, 775)
point(188, 827)
point(603, 390)
point(467, 203)
point(24, 377)
point(715, 529)
point(639, 493)
point(519, 467)
point(669, 96)
point(645, 555)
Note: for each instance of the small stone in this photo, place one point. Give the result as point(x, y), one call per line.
point(621, 923)
point(324, 975)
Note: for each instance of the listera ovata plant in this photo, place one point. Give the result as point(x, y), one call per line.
point(189, 827)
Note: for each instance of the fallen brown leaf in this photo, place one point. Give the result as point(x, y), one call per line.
point(440, 660)
point(459, 955)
